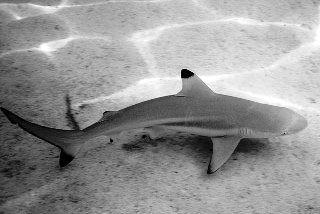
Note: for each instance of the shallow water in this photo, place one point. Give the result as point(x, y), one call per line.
point(107, 55)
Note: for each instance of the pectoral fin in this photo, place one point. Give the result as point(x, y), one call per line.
point(222, 149)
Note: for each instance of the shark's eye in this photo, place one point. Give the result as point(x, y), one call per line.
point(284, 133)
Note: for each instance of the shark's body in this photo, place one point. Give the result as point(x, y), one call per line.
point(195, 109)
point(171, 112)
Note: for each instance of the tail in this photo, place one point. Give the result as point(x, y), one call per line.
point(69, 141)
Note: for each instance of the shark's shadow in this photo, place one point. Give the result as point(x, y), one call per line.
point(196, 148)
point(252, 146)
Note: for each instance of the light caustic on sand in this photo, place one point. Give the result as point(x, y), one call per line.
point(142, 39)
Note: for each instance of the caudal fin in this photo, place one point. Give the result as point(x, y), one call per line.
point(69, 141)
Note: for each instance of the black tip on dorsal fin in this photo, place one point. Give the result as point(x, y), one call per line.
point(185, 73)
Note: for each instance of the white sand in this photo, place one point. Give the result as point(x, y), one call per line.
point(111, 54)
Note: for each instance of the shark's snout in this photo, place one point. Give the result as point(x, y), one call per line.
point(298, 123)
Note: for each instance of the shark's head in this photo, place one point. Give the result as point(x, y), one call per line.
point(270, 121)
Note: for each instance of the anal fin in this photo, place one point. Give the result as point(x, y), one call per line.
point(222, 149)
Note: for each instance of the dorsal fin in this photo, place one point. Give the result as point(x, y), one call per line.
point(106, 115)
point(192, 85)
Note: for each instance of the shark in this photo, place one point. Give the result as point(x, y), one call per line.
point(196, 109)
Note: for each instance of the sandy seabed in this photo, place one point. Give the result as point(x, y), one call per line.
point(81, 58)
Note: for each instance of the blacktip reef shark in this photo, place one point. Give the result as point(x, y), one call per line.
point(195, 109)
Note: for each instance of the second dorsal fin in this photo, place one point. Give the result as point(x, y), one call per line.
point(107, 114)
point(192, 85)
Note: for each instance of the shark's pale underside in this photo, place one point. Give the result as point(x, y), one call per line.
point(195, 109)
